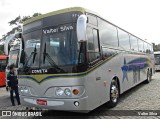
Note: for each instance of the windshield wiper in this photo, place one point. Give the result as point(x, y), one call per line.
point(34, 53)
point(81, 55)
point(50, 60)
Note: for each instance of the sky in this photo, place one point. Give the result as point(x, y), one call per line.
point(139, 17)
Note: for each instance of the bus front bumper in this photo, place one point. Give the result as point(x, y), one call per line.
point(57, 104)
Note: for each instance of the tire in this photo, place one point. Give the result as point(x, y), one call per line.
point(114, 94)
point(149, 76)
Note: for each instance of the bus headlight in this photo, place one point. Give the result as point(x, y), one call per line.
point(59, 92)
point(67, 92)
point(21, 90)
point(26, 90)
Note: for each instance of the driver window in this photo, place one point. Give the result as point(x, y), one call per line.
point(93, 44)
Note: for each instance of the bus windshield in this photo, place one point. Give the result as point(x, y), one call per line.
point(32, 44)
point(58, 47)
point(13, 57)
point(157, 59)
point(61, 47)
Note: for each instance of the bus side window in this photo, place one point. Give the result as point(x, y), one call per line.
point(93, 44)
point(123, 39)
point(146, 48)
point(140, 45)
point(134, 43)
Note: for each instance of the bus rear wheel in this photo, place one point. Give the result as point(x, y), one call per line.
point(114, 94)
point(149, 76)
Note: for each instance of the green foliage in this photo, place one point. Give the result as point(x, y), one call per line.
point(25, 18)
point(156, 47)
point(36, 14)
point(16, 21)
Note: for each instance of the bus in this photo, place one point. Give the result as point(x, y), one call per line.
point(3, 63)
point(13, 60)
point(75, 60)
point(157, 60)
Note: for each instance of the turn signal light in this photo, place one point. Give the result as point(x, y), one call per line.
point(75, 91)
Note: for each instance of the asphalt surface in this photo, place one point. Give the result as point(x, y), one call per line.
point(142, 97)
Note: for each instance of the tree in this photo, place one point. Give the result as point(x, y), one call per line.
point(36, 14)
point(25, 18)
point(156, 47)
point(15, 22)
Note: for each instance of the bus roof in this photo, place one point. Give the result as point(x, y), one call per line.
point(80, 9)
point(3, 57)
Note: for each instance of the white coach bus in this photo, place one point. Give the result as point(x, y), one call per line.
point(74, 60)
point(157, 60)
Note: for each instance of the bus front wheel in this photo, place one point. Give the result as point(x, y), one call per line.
point(114, 94)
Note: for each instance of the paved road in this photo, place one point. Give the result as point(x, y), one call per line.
point(141, 97)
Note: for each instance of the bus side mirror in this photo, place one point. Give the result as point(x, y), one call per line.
point(18, 35)
point(22, 58)
point(81, 28)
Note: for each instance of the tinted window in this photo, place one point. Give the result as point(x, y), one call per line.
point(2, 65)
point(13, 58)
point(90, 39)
point(95, 37)
point(60, 19)
point(134, 43)
point(93, 46)
point(140, 44)
point(108, 33)
point(150, 48)
point(92, 19)
point(146, 50)
point(60, 46)
point(32, 25)
point(32, 46)
point(123, 39)
point(157, 59)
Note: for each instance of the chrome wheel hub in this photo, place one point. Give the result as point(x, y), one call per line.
point(149, 77)
point(114, 93)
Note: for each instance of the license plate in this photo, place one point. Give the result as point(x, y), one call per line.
point(42, 102)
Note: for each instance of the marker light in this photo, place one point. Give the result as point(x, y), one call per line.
point(75, 91)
